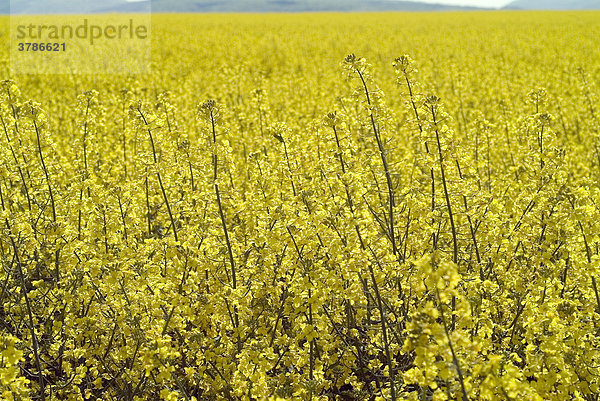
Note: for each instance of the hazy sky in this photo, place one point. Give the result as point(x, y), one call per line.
point(477, 3)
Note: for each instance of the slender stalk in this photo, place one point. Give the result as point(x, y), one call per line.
point(148, 219)
point(227, 241)
point(39, 146)
point(124, 140)
point(104, 229)
point(85, 168)
point(445, 186)
point(412, 102)
point(388, 177)
point(159, 177)
point(473, 237)
point(19, 169)
point(454, 358)
point(588, 255)
point(348, 196)
point(220, 204)
point(123, 218)
point(215, 161)
point(310, 314)
point(289, 165)
point(31, 325)
point(383, 327)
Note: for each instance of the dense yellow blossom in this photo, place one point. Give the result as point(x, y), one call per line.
point(341, 206)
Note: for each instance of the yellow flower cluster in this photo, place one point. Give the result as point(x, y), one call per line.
point(13, 386)
point(271, 216)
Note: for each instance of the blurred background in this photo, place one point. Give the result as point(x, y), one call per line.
point(100, 6)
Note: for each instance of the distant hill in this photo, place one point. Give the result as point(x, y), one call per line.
point(554, 5)
point(297, 6)
point(224, 6)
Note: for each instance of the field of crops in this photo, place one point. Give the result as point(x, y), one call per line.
point(315, 207)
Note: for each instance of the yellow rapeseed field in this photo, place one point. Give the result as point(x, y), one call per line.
point(398, 206)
